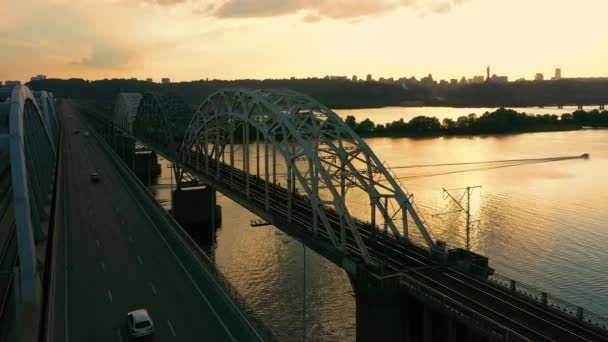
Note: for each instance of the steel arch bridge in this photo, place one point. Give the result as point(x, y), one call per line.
point(29, 137)
point(274, 136)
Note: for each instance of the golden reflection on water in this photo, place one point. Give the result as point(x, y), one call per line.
point(545, 224)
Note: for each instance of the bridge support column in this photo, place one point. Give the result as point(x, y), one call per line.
point(382, 309)
point(146, 166)
point(196, 209)
point(125, 149)
point(387, 312)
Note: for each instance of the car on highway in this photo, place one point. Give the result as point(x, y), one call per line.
point(140, 323)
point(95, 177)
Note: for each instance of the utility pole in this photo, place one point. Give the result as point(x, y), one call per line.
point(467, 210)
point(304, 334)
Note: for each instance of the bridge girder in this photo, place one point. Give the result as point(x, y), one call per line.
point(32, 154)
point(323, 154)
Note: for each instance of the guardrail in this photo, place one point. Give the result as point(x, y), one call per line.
point(495, 331)
point(550, 301)
point(207, 264)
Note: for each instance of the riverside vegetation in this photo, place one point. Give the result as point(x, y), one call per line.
point(498, 122)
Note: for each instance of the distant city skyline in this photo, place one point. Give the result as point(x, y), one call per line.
point(238, 39)
point(369, 77)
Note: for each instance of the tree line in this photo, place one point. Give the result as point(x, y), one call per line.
point(498, 122)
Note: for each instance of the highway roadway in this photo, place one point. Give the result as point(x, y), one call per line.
point(113, 259)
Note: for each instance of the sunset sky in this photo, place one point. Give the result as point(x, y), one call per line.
point(232, 39)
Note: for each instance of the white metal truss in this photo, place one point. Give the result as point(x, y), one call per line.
point(125, 111)
point(321, 153)
point(24, 132)
point(46, 103)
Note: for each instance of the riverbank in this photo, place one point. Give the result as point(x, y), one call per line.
point(500, 121)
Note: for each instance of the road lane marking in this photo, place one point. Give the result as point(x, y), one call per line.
point(98, 244)
point(153, 288)
point(119, 336)
point(130, 238)
point(139, 259)
point(103, 267)
point(110, 296)
point(198, 289)
point(171, 328)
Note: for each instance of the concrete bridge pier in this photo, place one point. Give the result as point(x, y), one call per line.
point(195, 208)
point(146, 166)
point(386, 312)
point(124, 148)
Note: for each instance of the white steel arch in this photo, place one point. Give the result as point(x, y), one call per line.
point(162, 121)
point(125, 111)
point(32, 162)
point(46, 104)
point(321, 153)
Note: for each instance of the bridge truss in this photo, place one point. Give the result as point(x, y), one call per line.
point(320, 156)
point(29, 137)
point(279, 136)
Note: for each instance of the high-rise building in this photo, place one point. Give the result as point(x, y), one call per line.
point(355, 78)
point(166, 80)
point(539, 77)
point(488, 73)
point(12, 83)
point(558, 74)
point(369, 78)
point(148, 80)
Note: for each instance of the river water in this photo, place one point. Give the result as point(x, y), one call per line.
point(545, 224)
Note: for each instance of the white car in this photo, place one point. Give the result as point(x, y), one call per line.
point(140, 324)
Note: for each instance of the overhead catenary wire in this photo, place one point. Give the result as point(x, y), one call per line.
point(491, 162)
point(498, 164)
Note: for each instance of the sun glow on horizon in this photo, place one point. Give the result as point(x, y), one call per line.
point(199, 39)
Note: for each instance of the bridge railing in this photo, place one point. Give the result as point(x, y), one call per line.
point(459, 311)
point(550, 301)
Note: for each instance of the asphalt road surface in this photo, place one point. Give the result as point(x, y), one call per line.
point(113, 259)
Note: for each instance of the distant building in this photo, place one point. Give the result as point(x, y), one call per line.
point(133, 79)
point(369, 78)
point(558, 74)
point(453, 81)
point(1, 85)
point(355, 79)
point(12, 83)
point(38, 77)
point(539, 77)
point(148, 80)
point(338, 78)
point(520, 80)
point(488, 73)
point(463, 80)
point(477, 79)
point(499, 79)
point(428, 81)
point(166, 80)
